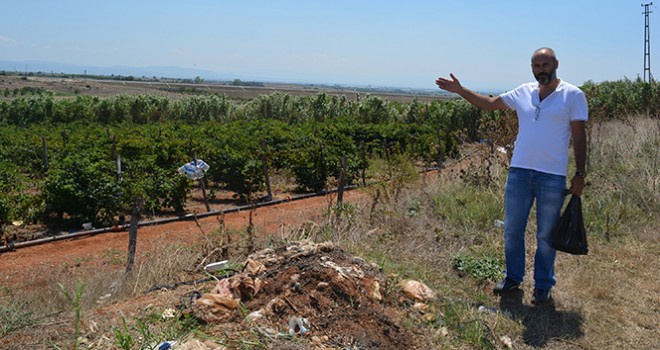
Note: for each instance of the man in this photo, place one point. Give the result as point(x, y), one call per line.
point(549, 111)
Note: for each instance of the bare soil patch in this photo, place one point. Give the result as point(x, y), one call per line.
point(109, 88)
point(89, 252)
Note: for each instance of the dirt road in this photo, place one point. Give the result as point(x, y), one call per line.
point(26, 266)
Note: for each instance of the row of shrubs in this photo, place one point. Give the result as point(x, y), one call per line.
point(76, 177)
point(304, 137)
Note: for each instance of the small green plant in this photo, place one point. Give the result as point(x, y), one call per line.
point(114, 256)
point(146, 335)
point(123, 338)
point(483, 269)
point(75, 300)
point(152, 329)
point(342, 210)
point(414, 207)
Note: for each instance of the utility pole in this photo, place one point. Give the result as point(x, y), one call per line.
point(647, 43)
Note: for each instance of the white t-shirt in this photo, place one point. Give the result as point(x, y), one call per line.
point(544, 128)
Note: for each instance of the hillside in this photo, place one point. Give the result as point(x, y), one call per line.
point(317, 274)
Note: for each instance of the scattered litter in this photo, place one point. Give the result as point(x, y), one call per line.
point(103, 298)
point(244, 287)
point(255, 267)
point(165, 345)
point(186, 301)
point(443, 331)
point(194, 170)
point(344, 272)
point(501, 149)
point(168, 313)
point(494, 310)
point(484, 309)
point(87, 226)
point(223, 289)
point(499, 223)
point(298, 325)
point(216, 266)
point(269, 332)
point(506, 340)
point(17, 223)
point(214, 308)
point(219, 305)
point(255, 315)
point(276, 306)
point(375, 292)
point(331, 287)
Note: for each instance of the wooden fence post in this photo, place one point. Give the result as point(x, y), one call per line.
point(250, 230)
point(201, 184)
point(224, 250)
point(342, 180)
point(132, 233)
point(265, 170)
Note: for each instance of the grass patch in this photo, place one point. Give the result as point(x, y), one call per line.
point(623, 193)
point(487, 268)
point(14, 316)
point(146, 332)
point(470, 208)
point(466, 324)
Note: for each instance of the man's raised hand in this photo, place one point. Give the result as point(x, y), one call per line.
point(452, 85)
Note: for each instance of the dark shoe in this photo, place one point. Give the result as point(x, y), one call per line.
point(505, 285)
point(541, 296)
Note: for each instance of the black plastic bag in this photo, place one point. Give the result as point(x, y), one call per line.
point(569, 235)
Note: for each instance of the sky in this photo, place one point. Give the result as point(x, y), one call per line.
point(408, 44)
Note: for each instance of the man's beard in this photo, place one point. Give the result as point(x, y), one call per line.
point(546, 78)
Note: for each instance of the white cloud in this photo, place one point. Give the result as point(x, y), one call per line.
point(5, 41)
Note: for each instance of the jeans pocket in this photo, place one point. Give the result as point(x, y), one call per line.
point(552, 183)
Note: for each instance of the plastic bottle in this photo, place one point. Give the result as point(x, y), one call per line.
point(165, 346)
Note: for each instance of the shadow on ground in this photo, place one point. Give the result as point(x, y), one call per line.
point(543, 323)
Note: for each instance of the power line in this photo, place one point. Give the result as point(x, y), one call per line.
point(647, 42)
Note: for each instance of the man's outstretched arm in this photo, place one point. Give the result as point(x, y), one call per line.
point(478, 100)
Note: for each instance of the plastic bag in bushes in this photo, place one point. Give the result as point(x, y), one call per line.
point(570, 236)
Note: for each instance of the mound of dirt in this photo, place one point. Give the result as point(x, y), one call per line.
point(320, 295)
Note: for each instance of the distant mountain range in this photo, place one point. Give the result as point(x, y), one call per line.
point(150, 71)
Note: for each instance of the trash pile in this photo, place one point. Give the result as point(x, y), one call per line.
point(319, 294)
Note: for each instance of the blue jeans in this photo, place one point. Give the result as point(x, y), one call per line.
point(522, 187)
